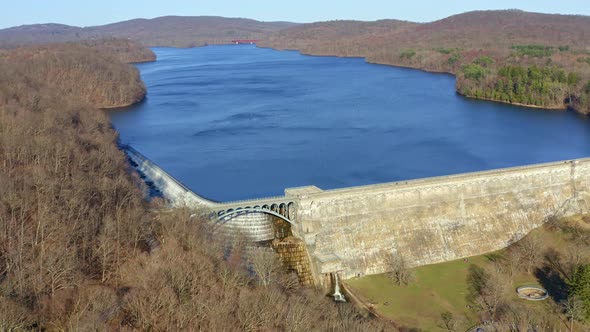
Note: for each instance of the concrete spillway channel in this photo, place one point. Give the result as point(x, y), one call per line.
point(255, 226)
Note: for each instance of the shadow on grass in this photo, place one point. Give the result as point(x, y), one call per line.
point(551, 280)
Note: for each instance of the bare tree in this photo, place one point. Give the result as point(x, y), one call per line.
point(448, 321)
point(398, 268)
point(487, 290)
point(575, 255)
point(297, 318)
point(573, 308)
point(531, 249)
point(266, 265)
point(13, 317)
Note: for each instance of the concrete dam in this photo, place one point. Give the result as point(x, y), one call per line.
point(349, 231)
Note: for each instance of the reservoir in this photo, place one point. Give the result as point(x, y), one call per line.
point(238, 122)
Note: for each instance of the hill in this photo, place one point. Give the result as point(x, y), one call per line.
point(501, 28)
point(178, 31)
point(125, 50)
point(558, 44)
point(339, 37)
point(478, 29)
point(91, 72)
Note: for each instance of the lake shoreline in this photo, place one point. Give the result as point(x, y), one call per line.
point(217, 117)
point(367, 60)
point(547, 108)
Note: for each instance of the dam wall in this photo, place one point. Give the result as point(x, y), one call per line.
point(351, 230)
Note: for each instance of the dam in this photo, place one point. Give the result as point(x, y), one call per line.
point(350, 231)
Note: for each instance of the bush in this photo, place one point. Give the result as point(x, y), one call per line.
point(407, 54)
point(536, 51)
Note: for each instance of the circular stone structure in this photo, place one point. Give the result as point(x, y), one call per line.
point(532, 293)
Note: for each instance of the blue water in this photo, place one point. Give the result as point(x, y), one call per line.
point(237, 122)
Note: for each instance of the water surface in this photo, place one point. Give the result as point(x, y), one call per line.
point(238, 122)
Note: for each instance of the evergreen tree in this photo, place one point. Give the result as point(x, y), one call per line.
point(580, 287)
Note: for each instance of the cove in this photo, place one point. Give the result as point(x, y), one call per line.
point(237, 122)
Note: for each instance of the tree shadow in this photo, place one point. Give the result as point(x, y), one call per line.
point(552, 281)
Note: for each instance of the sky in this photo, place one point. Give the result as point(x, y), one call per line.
point(92, 12)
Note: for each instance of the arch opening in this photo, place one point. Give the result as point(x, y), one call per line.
point(228, 215)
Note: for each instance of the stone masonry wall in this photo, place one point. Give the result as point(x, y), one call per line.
point(434, 220)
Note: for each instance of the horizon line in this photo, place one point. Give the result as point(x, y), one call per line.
point(285, 21)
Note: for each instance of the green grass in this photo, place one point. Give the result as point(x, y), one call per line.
point(436, 288)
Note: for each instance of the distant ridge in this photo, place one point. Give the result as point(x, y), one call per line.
point(471, 29)
point(492, 28)
point(178, 31)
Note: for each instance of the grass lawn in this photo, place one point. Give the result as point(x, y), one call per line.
point(436, 288)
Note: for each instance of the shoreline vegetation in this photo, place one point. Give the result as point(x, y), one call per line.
point(548, 108)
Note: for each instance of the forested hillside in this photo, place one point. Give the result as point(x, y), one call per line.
point(335, 37)
point(511, 38)
point(80, 248)
point(125, 50)
point(90, 71)
point(178, 31)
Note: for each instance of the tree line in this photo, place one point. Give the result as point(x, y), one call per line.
point(547, 86)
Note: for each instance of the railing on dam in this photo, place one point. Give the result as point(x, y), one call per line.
point(429, 181)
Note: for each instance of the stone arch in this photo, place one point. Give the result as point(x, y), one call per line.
point(225, 216)
point(290, 206)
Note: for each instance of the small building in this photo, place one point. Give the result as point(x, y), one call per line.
point(244, 41)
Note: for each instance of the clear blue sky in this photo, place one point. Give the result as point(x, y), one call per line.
point(92, 12)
